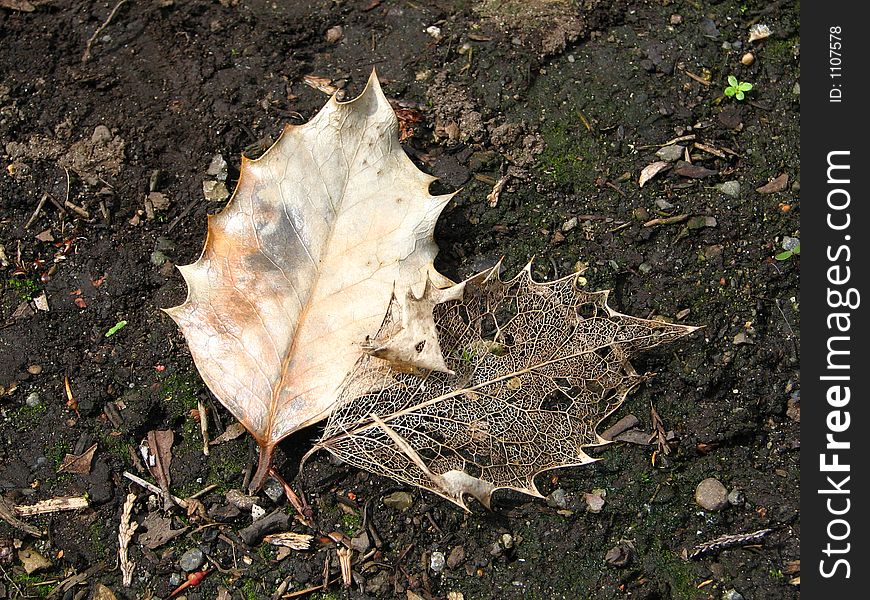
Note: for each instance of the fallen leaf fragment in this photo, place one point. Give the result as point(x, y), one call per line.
point(323, 84)
point(20, 5)
point(101, 592)
point(158, 531)
point(685, 169)
point(33, 561)
point(521, 374)
point(299, 267)
point(777, 184)
point(651, 170)
point(233, 431)
point(78, 464)
point(156, 450)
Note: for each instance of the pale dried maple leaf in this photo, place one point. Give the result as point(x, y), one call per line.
point(532, 369)
point(300, 266)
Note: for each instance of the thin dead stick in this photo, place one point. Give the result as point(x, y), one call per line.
point(38, 210)
point(203, 425)
point(52, 505)
point(87, 54)
point(153, 488)
point(77, 209)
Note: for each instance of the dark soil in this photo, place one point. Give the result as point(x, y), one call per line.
point(572, 99)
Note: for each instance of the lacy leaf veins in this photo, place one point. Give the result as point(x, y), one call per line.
point(486, 384)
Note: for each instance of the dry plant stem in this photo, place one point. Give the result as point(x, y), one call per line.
point(203, 426)
point(38, 210)
point(8, 514)
point(125, 533)
point(87, 53)
point(153, 488)
point(52, 505)
point(344, 561)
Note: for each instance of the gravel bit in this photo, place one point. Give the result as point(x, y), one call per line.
point(711, 494)
point(437, 561)
point(191, 560)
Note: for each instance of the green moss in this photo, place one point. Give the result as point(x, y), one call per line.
point(180, 394)
point(324, 596)
point(32, 584)
point(249, 590)
point(25, 288)
point(27, 413)
point(679, 574)
point(351, 523)
point(568, 160)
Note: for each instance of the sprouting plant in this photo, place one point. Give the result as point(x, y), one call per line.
point(787, 254)
point(737, 88)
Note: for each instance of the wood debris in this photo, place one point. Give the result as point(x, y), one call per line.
point(290, 539)
point(232, 432)
point(52, 505)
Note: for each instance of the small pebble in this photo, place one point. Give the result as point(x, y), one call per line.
point(732, 595)
point(676, 19)
point(191, 560)
point(663, 204)
point(736, 497)
point(507, 541)
point(437, 561)
point(217, 168)
point(34, 369)
point(670, 153)
point(790, 243)
point(399, 500)
point(101, 134)
point(619, 556)
point(456, 557)
point(214, 191)
point(569, 224)
point(175, 579)
point(730, 188)
point(334, 34)
point(711, 494)
point(557, 499)
point(747, 59)
point(33, 400)
point(274, 490)
point(571, 58)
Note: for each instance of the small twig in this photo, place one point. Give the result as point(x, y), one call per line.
point(77, 209)
point(203, 425)
point(153, 488)
point(52, 505)
point(87, 53)
point(666, 220)
point(38, 210)
point(700, 80)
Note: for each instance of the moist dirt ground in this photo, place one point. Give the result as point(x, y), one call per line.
point(110, 118)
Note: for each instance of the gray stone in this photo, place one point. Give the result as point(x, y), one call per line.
point(736, 497)
point(663, 204)
point(732, 594)
point(671, 153)
point(33, 400)
point(730, 188)
point(217, 168)
point(790, 243)
point(711, 494)
point(175, 579)
point(191, 560)
point(437, 561)
point(456, 557)
point(274, 490)
point(158, 259)
point(214, 191)
point(557, 499)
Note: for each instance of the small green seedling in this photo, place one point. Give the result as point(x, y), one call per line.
point(116, 328)
point(736, 88)
point(787, 254)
